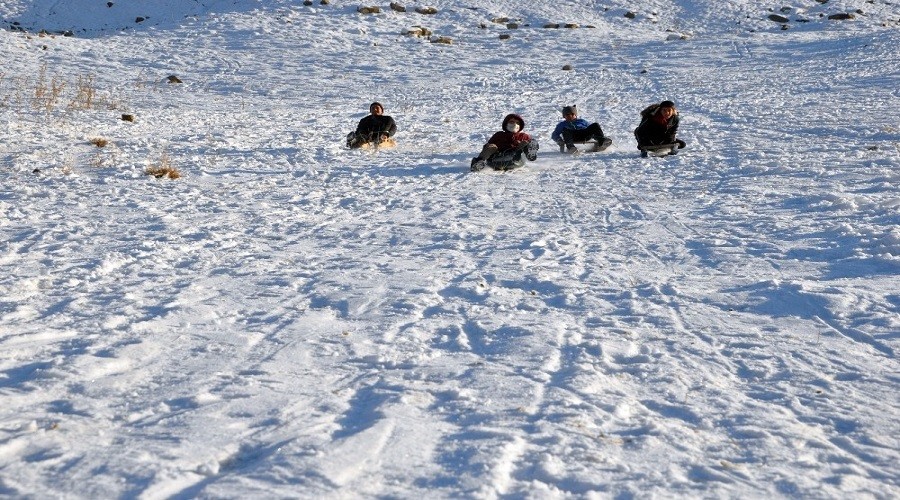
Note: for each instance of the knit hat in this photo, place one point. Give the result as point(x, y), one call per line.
point(569, 109)
point(667, 104)
point(376, 103)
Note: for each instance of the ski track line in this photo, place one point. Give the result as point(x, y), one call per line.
point(856, 336)
point(117, 366)
point(511, 463)
point(229, 386)
point(354, 312)
point(679, 323)
point(448, 292)
point(470, 336)
point(845, 444)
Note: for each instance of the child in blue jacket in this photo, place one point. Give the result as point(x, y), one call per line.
point(574, 129)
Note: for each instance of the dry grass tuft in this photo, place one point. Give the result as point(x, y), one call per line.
point(160, 172)
point(85, 93)
point(51, 93)
point(47, 93)
point(99, 142)
point(163, 169)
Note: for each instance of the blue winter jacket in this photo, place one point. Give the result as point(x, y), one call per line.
point(576, 124)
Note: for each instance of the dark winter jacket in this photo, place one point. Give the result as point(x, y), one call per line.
point(508, 140)
point(654, 129)
point(376, 124)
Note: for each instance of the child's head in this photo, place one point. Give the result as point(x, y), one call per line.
point(510, 119)
point(667, 109)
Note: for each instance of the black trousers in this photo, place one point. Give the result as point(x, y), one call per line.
point(584, 134)
point(656, 140)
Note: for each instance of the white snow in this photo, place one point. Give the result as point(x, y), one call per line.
point(293, 319)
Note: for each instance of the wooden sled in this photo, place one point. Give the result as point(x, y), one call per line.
point(388, 143)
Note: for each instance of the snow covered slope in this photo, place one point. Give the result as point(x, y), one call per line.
point(93, 17)
point(289, 318)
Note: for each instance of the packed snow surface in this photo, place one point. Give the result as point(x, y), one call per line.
point(290, 318)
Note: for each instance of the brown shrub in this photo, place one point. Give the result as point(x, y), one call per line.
point(163, 169)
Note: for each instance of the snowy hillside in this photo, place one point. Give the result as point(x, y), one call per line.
point(292, 319)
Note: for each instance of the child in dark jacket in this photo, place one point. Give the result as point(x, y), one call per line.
point(659, 125)
point(510, 138)
point(375, 128)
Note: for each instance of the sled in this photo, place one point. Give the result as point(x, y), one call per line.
point(595, 146)
point(659, 149)
point(382, 144)
point(388, 143)
point(507, 160)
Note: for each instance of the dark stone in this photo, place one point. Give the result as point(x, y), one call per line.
point(778, 19)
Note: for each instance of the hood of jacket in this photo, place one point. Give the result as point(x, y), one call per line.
point(513, 116)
